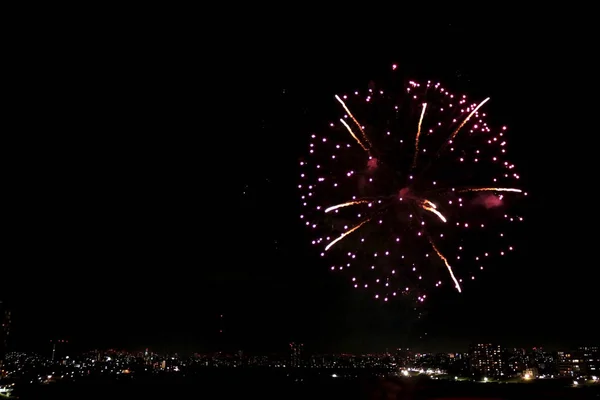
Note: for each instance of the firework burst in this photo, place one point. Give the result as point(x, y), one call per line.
point(410, 189)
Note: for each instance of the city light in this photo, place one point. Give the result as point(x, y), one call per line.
point(484, 363)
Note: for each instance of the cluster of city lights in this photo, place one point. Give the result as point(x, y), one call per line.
point(411, 189)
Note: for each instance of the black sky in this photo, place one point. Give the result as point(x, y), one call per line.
point(151, 188)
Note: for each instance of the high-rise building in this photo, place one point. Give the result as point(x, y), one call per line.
point(586, 360)
point(564, 363)
point(59, 349)
point(4, 330)
point(583, 361)
point(590, 360)
point(487, 359)
point(296, 350)
point(222, 335)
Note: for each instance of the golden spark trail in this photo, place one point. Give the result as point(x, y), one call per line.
point(453, 135)
point(429, 206)
point(343, 235)
point(353, 119)
point(353, 135)
point(349, 203)
point(429, 203)
point(440, 255)
point(418, 135)
point(467, 119)
point(491, 190)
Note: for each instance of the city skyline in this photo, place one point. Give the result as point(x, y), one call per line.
point(482, 361)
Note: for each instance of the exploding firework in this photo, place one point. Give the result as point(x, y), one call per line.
point(410, 189)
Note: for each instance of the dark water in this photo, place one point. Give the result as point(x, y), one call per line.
point(282, 386)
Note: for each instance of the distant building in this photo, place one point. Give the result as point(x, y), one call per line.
point(240, 358)
point(4, 330)
point(296, 350)
point(516, 361)
point(583, 361)
point(487, 359)
point(404, 357)
point(564, 363)
point(586, 360)
point(59, 349)
point(589, 360)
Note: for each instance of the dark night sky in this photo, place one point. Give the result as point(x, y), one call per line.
point(151, 188)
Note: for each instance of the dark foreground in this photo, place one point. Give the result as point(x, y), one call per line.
point(237, 385)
